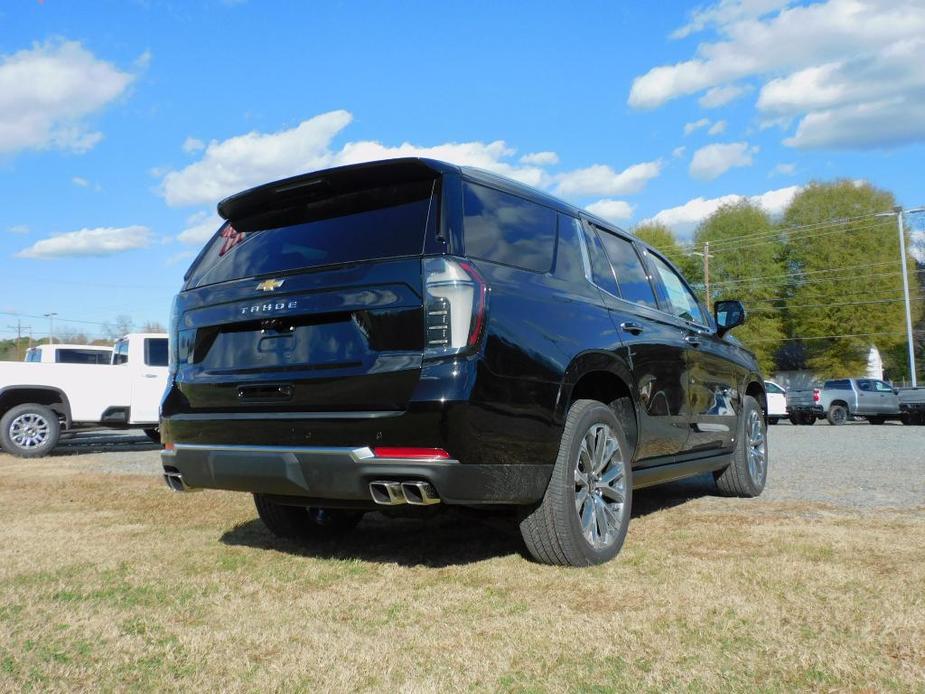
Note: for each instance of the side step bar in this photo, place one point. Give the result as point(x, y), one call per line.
point(416, 493)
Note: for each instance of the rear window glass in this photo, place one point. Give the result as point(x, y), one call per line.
point(381, 222)
point(507, 229)
point(156, 351)
point(838, 385)
point(82, 356)
point(631, 277)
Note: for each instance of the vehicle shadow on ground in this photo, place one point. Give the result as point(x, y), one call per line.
point(448, 538)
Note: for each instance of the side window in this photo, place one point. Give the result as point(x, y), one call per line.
point(570, 260)
point(601, 272)
point(34, 355)
point(631, 276)
point(883, 387)
point(678, 298)
point(866, 385)
point(156, 351)
point(507, 229)
point(120, 352)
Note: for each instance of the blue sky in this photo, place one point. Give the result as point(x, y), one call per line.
point(123, 123)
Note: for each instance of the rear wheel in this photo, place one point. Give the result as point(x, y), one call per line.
point(583, 518)
point(29, 431)
point(837, 415)
point(748, 472)
point(299, 522)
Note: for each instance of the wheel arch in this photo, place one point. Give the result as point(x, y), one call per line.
point(755, 387)
point(49, 396)
point(603, 377)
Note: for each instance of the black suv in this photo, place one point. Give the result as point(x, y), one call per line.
point(409, 332)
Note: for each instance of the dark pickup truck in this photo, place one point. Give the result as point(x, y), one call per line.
point(912, 405)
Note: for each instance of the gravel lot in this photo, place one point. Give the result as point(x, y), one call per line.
point(857, 466)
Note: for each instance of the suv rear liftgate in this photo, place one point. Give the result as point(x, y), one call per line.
point(325, 346)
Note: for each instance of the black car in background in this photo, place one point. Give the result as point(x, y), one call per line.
point(409, 332)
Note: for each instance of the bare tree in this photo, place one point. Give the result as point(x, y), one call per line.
point(153, 327)
point(120, 326)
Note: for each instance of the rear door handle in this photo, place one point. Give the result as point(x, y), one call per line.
point(150, 375)
point(692, 340)
point(631, 327)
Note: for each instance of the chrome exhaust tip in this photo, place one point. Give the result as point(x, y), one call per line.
point(420, 493)
point(174, 480)
point(386, 493)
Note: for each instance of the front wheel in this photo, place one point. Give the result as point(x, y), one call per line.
point(747, 473)
point(29, 431)
point(583, 517)
point(299, 522)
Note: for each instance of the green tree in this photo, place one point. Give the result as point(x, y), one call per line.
point(750, 269)
point(847, 277)
point(662, 238)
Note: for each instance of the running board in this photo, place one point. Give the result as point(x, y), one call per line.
point(650, 476)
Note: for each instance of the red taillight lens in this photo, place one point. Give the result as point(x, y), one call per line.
point(405, 452)
point(454, 304)
point(816, 395)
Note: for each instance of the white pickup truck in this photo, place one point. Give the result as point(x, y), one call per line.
point(40, 401)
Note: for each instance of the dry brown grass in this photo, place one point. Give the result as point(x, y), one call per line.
point(112, 582)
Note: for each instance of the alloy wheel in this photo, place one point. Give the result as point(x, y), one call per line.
point(757, 446)
point(600, 486)
point(29, 431)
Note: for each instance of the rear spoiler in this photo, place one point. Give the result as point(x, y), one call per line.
point(320, 184)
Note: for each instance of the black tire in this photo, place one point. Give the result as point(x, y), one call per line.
point(29, 430)
point(153, 434)
point(796, 419)
point(740, 478)
point(837, 415)
point(773, 420)
point(809, 419)
point(876, 420)
point(298, 522)
point(908, 419)
point(552, 530)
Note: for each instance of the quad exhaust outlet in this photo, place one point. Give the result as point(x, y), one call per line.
point(416, 493)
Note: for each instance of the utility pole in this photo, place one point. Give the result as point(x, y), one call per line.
point(19, 327)
point(706, 273)
point(902, 252)
point(51, 326)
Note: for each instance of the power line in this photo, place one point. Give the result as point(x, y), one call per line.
point(802, 273)
point(846, 303)
point(60, 320)
point(832, 337)
point(802, 238)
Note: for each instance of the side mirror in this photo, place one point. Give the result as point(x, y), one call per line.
point(728, 315)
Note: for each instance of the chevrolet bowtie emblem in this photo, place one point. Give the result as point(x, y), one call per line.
point(269, 285)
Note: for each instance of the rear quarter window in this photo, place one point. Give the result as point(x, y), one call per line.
point(507, 229)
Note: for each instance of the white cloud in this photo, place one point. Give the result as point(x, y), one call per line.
point(718, 128)
point(727, 11)
point(243, 161)
point(614, 210)
point(47, 92)
point(720, 96)
point(678, 152)
point(89, 242)
point(600, 179)
point(684, 218)
point(784, 170)
point(849, 69)
point(540, 158)
point(80, 181)
point(714, 160)
point(695, 125)
point(192, 144)
point(19, 229)
point(200, 227)
point(181, 256)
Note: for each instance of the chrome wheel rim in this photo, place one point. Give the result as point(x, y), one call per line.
point(29, 431)
point(757, 446)
point(600, 486)
point(839, 415)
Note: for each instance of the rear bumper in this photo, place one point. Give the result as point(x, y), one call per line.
point(343, 474)
point(912, 407)
point(800, 409)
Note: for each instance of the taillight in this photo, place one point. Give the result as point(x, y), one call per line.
point(816, 395)
point(455, 295)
